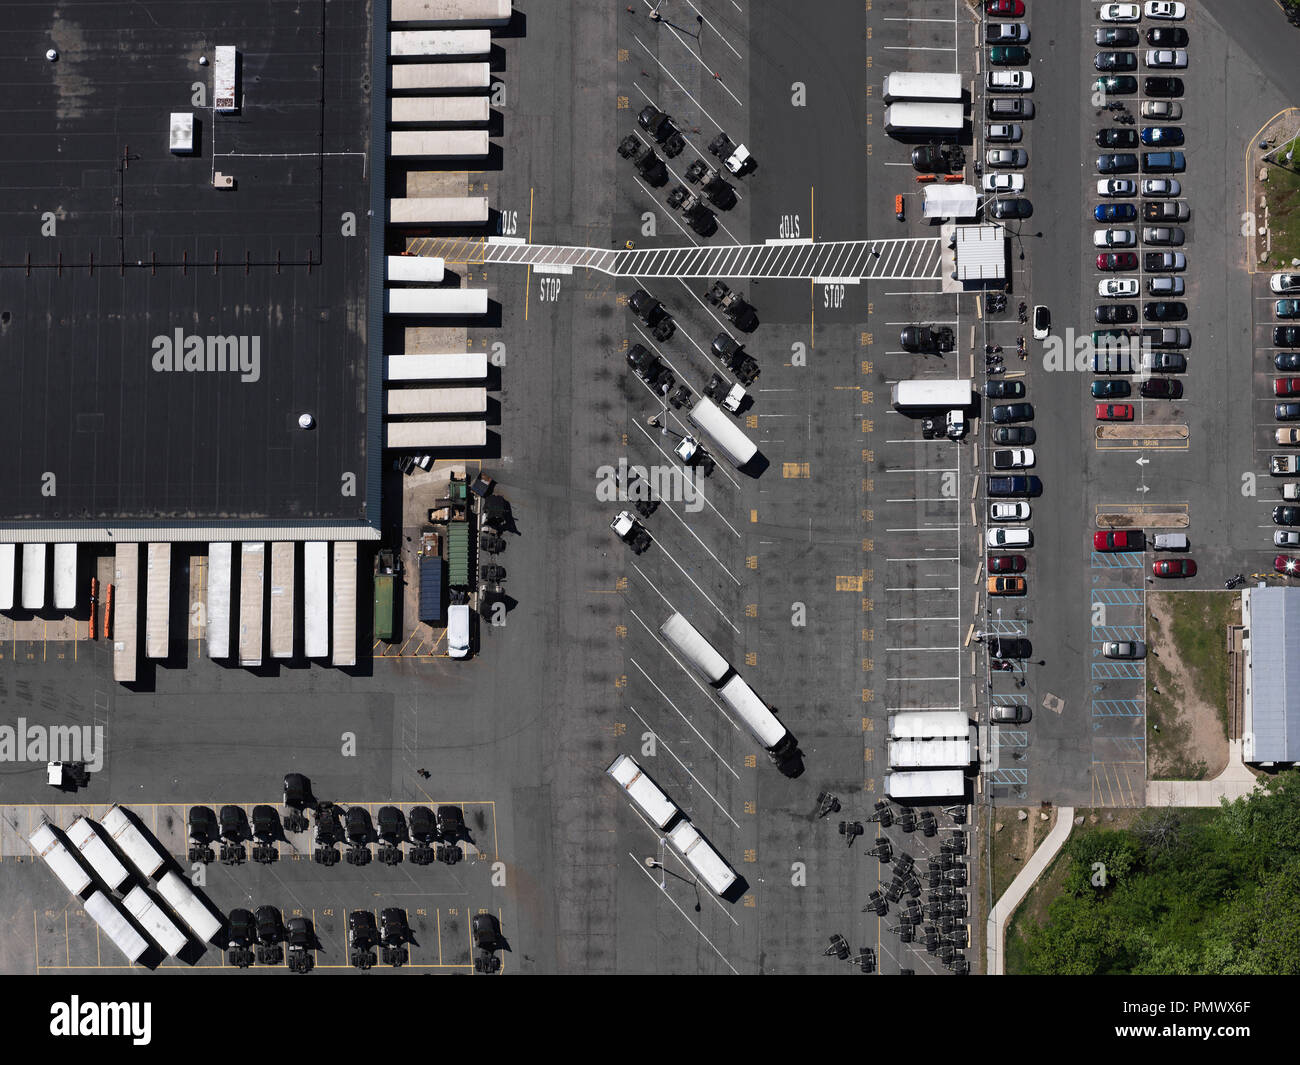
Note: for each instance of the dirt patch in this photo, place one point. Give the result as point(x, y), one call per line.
point(1015, 842)
point(1187, 683)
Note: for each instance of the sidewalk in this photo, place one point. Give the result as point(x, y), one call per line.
point(1034, 868)
point(1235, 782)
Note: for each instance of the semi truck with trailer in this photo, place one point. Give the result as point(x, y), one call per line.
point(645, 794)
point(699, 854)
point(723, 433)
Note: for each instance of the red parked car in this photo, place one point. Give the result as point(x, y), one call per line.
point(1006, 564)
point(1114, 412)
point(1286, 386)
point(1174, 567)
point(1288, 564)
point(1117, 260)
point(1014, 8)
point(1119, 540)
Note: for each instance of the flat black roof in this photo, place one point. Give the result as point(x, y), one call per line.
point(111, 247)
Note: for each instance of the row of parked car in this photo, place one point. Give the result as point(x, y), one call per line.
point(1286, 408)
point(1003, 154)
point(1156, 223)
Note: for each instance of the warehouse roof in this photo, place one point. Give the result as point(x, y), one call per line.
point(1271, 725)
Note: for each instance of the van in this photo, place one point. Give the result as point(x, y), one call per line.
point(1171, 542)
point(458, 630)
point(1163, 162)
point(1012, 536)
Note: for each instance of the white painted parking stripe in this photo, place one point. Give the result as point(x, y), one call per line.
point(672, 460)
point(646, 48)
point(647, 191)
point(664, 744)
point(664, 891)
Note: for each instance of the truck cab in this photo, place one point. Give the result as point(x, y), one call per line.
point(734, 357)
point(630, 531)
point(726, 395)
point(652, 313)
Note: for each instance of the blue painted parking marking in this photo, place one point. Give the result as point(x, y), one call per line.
point(1005, 737)
point(1118, 560)
point(1116, 708)
point(1117, 671)
point(1115, 633)
point(1010, 776)
point(1118, 596)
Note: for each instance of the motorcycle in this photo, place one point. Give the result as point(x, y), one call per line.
point(992, 349)
point(1233, 582)
point(1001, 665)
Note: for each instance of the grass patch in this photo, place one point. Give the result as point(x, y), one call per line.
point(1282, 191)
point(1200, 627)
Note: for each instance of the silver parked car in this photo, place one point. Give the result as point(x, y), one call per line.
point(1131, 650)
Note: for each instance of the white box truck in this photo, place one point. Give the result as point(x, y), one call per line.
point(65, 576)
point(694, 649)
point(439, 110)
point(316, 599)
point(97, 854)
point(723, 433)
point(139, 851)
point(917, 117)
point(187, 907)
point(931, 393)
point(60, 860)
point(424, 269)
point(439, 144)
point(926, 784)
point(113, 923)
point(645, 794)
point(422, 77)
point(438, 301)
point(434, 211)
point(217, 623)
point(452, 366)
point(698, 853)
point(161, 928)
point(761, 720)
point(458, 622)
point(936, 87)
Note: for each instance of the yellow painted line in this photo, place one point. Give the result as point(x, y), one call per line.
point(438, 917)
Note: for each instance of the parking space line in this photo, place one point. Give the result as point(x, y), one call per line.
point(664, 743)
point(664, 891)
point(661, 451)
point(645, 48)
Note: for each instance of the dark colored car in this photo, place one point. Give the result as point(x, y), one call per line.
point(243, 929)
point(270, 928)
point(1157, 86)
point(1009, 55)
point(933, 159)
point(1175, 567)
point(1165, 312)
point(1012, 209)
point(1164, 261)
point(1115, 62)
point(202, 824)
point(1116, 85)
point(1169, 336)
point(1009, 647)
point(421, 824)
point(644, 363)
point(1166, 37)
point(923, 338)
point(1115, 314)
point(1161, 388)
point(1017, 485)
point(1161, 136)
point(1110, 389)
point(1005, 564)
point(1116, 36)
point(1117, 163)
point(1014, 434)
point(1115, 212)
point(1117, 260)
point(1012, 412)
point(1119, 540)
point(1286, 412)
point(1286, 336)
point(1004, 389)
point(1117, 137)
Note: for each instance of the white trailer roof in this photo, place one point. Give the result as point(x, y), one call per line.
point(217, 624)
point(345, 603)
point(65, 576)
point(700, 655)
point(929, 784)
point(699, 854)
point(97, 853)
point(427, 268)
point(415, 401)
point(723, 432)
point(316, 599)
point(441, 301)
point(282, 600)
point(927, 724)
point(154, 921)
point(158, 589)
point(439, 42)
point(428, 366)
point(643, 791)
point(756, 714)
point(414, 77)
point(8, 555)
point(252, 584)
point(33, 576)
point(59, 859)
point(105, 913)
point(931, 753)
point(139, 851)
point(433, 210)
point(181, 898)
point(126, 611)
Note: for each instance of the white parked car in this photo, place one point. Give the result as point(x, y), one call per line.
point(1006, 132)
point(1120, 12)
point(1118, 286)
point(1170, 110)
point(1009, 511)
point(1286, 537)
point(1016, 458)
point(1166, 57)
point(1004, 182)
point(1284, 282)
point(1010, 537)
point(1114, 238)
point(1161, 187)
point(1006, 33)
point(1291, 492)
point(1010, 80)
point(1116, 187)
point(1162, 9)
point(1128, 649)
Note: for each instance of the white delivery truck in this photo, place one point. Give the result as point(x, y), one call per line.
point(909, 85)
point(217, 627)
point(60, 860)
point(422, 77)
point(113, 923)
point(698, 653)
point(65, 576)
point(916, 117)
point(140, 852)
point(723, 433)
point(188, 908)
point(426, 269)
point(451, 366)
point(97, 853)
point(315, 599)
point(926, 784)
point(698, 853)
point(761, 721)
point(645, 794)
point(439, 144)
point(153, 920)
point(434, 211)
point(458, 620)
point(412, 44)
point(931, 393)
